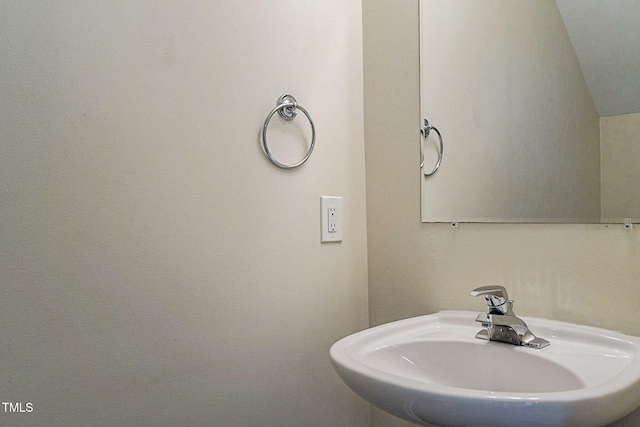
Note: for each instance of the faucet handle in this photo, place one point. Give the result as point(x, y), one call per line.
point(495, 297)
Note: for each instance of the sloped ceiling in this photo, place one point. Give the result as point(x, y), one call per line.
point(606, 37)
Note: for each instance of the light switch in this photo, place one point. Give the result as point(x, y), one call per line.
point(331, 219)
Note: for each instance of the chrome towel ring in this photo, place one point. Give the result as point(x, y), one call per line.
point(426, 129)
point(286, 108)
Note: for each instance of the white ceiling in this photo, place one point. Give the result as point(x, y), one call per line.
point(606, 37)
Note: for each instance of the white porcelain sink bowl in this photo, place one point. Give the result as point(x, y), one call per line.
point(432, 370)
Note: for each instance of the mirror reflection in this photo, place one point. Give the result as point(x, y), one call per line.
point(533, 130)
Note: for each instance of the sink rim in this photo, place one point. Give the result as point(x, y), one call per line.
point(624, 385)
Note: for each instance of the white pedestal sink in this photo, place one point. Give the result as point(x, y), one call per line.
point(431, 369)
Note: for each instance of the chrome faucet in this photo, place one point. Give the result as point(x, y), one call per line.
point(500, 321)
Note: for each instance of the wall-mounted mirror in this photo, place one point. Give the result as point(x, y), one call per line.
point(533, 131)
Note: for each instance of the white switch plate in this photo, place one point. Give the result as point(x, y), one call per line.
point(331, 219)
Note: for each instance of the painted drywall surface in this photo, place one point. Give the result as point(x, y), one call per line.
point(155, 268)
point(620, 161)
point(577, 273)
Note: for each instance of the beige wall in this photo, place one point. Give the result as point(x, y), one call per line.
point(155, 268)
point(620, 167)
point(578, 273)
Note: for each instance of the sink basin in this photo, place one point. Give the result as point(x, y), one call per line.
point(431, 370)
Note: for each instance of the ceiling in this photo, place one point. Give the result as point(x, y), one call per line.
point(606, 38)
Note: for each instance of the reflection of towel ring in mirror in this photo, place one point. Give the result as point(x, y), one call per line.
point(425, 133)
point(286, 108)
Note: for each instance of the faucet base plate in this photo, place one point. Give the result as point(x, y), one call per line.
point(483, 334)
point(537, 343)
